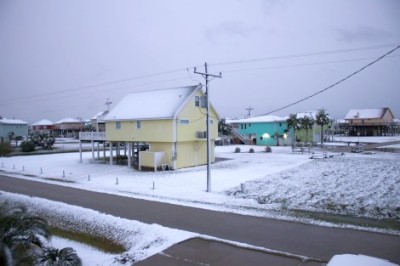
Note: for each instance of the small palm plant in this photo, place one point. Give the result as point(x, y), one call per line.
point(56, 257)
point(23, 237)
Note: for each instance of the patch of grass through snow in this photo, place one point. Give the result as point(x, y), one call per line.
point(100, 243)
point(59, 180)
point(345, 219)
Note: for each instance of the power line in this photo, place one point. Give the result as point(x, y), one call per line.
point(55, 94)
point(304, 64)
point(305, 54)
point(102, 84)
point(334, 84)
point(17, 99)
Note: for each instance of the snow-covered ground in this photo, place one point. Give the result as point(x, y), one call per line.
point(140, 240)
point(365, 185)
point(367, 139)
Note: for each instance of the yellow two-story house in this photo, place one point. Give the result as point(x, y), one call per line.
point(171, 122)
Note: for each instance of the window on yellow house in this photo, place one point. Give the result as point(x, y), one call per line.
point(117, 124)
point(138, 124)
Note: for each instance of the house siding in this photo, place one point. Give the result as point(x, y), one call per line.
point(20, 130)
point(197, 121)
point(256, 130)
point(193, 153)
point(149, 131)
point(174, 135)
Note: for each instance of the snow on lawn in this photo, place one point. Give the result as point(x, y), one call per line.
point(357, 184)
point(363, 139)
point(184, 185)
point(141, 240)
point(362, 185)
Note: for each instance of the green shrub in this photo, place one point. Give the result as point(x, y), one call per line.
point(237, 150)
point(268, 149)
point(5, 149)
point(27, 146)
point(251, 150)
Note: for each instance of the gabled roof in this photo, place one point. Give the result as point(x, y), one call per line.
point(367, 113)
point(100, 114)
point(258, 119)
point(68, 120)
point(12, 121)
point(151, 105)
point(43, 122)
point(312, 114)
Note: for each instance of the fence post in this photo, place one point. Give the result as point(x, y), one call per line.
point(63, 173)
point(116, 180)
point(88, 177)
point(154, 185)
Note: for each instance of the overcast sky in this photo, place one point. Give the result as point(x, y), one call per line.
point(53, 53)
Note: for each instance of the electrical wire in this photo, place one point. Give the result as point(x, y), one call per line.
point(334, 84)
point(13, 100)
point(306, 54)
point(304, 64)
point(100, 84)
point(50, 96)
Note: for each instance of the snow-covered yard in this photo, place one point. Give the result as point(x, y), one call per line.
point(360, 185)
point(366, 185)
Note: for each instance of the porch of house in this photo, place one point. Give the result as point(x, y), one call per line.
point(119, 152)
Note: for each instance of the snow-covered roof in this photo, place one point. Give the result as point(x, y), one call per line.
point(149, 105)
point(68, 120)
point(99, 114)
point(258, 119)
point(12, 121)
point(366, 113)
point(311, 114)
point(43, 122)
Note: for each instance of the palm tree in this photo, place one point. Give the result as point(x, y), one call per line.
point(306, 123)
point(293, 122)
point(20, 235)
point(322, 119)
point(58, 257)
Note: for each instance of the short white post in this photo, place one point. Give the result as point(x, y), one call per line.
point(88, 178)
point(41, 170)
point(13, 166)
point(154, 185)
point(242, 187)
point(63, 173)
point(23, 168)
point(116, 180)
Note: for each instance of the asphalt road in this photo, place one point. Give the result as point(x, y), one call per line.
point(302, 239)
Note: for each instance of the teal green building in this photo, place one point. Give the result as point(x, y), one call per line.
point(262, 130)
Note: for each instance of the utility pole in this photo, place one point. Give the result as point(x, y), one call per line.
point(108, 103)
point(206, 75)
point(249, 109)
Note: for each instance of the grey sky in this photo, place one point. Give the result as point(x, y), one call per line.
point(53, 51)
